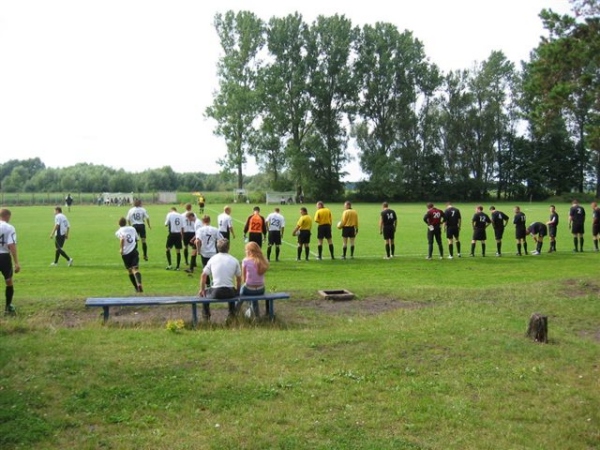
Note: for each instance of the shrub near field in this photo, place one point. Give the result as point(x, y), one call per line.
point(429, 355)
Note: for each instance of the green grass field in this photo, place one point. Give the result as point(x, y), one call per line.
point(429, 355)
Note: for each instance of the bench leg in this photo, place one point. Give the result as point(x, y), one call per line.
point(105, 313)
point(194, 315)
point(271, 309)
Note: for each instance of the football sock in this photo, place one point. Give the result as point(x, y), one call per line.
point(581, 244)
point(185, 255)
point(299, 252)
point(138, 278)
point(320, 250)
point(539, 247)
point(331, 250)
point(483, 249)
point(458, 247)
point(9, 291)
point(178, 259)
point(133, 280)
point(277, 253)
point(519, 249)
point(306, 251)
point(499, 247)
point(596, 244)
point(193, 262)
point(352, 250)
point(344, 251)
point(525, 247)
point(472, 248)
point(393, 249)
point(168, 253)
point(145, 249)
point(268, 253)
point(451, 249)
point(575, 243)
point(387, 250)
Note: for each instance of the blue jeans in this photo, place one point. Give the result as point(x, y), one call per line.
point(245, 290)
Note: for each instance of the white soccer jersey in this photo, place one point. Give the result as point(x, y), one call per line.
point(129, 236)
point(275, 221)
point(189, 226)
point(225, 222)
point(63, 224)
point(8, 236)
point(208, 236)
point(174, 222)
point(137, 215)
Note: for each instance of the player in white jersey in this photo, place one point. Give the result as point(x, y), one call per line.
point(60, 233)
point(225, 223)
point(275, 225)
point(189, 231)
point(206, 241)
point(128, 237)
point(174, 224)
point(138, 217)
point(8, 256)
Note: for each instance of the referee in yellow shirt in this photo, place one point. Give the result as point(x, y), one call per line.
point(302, 230)
point(324, 220)
point(349, 227)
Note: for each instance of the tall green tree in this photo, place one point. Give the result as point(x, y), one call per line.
point(564, 75)
point(333, 94)
point(286, 98)
point(236, 104)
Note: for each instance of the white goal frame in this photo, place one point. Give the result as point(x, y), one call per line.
point(281, 198)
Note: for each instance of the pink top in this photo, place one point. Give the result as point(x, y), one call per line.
point(249, 270)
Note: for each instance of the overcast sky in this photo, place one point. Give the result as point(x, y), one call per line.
point(124, 83)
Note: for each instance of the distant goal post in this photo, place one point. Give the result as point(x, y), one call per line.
point(281, 198)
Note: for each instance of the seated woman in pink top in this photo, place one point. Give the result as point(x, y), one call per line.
point(254, 267)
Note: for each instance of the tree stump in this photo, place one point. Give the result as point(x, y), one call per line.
point(538, 328)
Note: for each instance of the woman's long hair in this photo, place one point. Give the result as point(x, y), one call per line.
point(254, 252)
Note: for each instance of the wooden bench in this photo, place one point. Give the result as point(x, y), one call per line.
point(106, 302)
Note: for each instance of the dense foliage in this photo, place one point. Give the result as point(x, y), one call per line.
point(296, 96)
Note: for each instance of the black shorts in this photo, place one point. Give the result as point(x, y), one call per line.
point(59, 241)
point(520, 233)
point(174, 240)
point(131, 259)
point(141, 229)
point(552, 232)
point(577, 228)
point(274, 237)
point(256, 237)
point(304, 237)
point(389, 233)
point(188, 237)
point(452, 232)
point(225, 234)
point(324, 231)
point(6, 266)
point(498, 233)
point(348, 232)
point(595, 229)
point(479, 234)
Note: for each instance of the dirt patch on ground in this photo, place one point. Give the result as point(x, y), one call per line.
point(580, 288)
point(288, 310)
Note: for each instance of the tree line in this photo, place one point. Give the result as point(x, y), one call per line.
point(295, 95)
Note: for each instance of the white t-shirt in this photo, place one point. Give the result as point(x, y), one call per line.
point(223, 268)
point(63, 224)
point(129, 236)
point(225, 222)
point(8, 236)
point(174, 222)
point(275, 221)
point(208, 236)
point(189, 226)
point(137, 215)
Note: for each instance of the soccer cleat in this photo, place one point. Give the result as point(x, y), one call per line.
point(386, 257)
point(189, 271)
point(176, 268)
point(450, 257)
point(140, 288)
point(471, 255)
point(459, 255)
point(169, 268)
point(70, 263)
point(429, 257)
point(535, 253)
point(319, 258)
point(53, 264)
point(145, 258)
point(10, 310)
point(498, 254)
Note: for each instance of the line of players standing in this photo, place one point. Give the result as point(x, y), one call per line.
point(451, 220)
